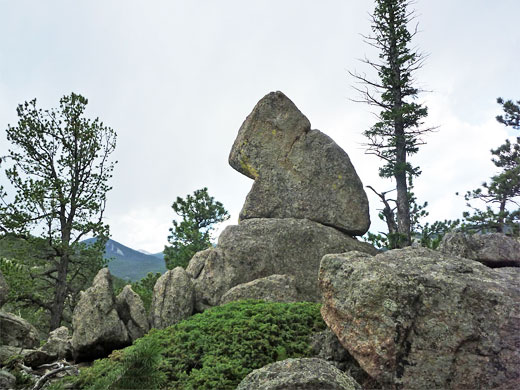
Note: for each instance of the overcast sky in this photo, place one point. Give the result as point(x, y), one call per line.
point(175, 80)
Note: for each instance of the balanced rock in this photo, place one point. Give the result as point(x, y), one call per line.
point(4, 290)
point(257, 248)
point(98, 330)
point(17, 332)
point(420, 319)
point(58, 344)
point(273, 288)
point(298, 374)
point(173, 299)
point(298, 172)
point(130, 309)
point(493, 249)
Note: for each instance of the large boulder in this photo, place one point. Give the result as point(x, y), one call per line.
point(257, 248)
point(173, 299)
point(298, 374)
point(420, 319)
point(98, 330)
point(130, 309)
point(58, 344)
point(298, 172)
point(273, 288)
point(493, 249)
point(17, 332)
point(4, 290)
point(29, 357)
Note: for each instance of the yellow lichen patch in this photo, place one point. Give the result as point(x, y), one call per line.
point(247, 167)
point(340, 177)
point(273, 132)
point(334, 186)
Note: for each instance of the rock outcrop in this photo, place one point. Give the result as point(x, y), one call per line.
point(173, 299)
point(17, 332)
point(257, 248)
point(298, 374)
point(420, 319)
point(298, 172)
point(273, 288)
point(493, 249)
point(98, 330)
point(7, 380)
point(59, 344)
point(130, 309)
point(4, 290)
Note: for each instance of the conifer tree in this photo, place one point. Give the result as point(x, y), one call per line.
point(503, 189)
point(397, 134)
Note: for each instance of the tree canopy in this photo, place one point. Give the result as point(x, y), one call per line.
point(59, 169)
point(199, 213)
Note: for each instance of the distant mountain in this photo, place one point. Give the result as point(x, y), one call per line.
point(127, 263)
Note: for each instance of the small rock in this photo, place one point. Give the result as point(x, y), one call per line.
point(130, 309)
point(298, 374)
point(17, 332)
point(493, 249)
point(59, 344)
point(173, 299)
point(273, 288)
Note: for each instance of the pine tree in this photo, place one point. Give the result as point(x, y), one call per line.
point(503, 189)
point(199, 213)
point(397, 134)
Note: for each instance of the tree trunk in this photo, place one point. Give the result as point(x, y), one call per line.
point(501, 219)
point(60, 294)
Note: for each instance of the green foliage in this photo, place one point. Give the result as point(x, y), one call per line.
point(137, 367)
point(58, 169)
point(501, 194)
point(24, 262)
point(199, 213)
point(397, 134)
point(219, 347)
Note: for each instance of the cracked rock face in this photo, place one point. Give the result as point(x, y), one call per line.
point(420, 319)
point(298, 172)
point(173, 299)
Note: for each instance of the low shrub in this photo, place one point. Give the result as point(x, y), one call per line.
point(212, 350)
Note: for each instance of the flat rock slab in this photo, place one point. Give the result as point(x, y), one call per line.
point(420, 319)
point(298, 374)
point(274, 288)
point(298, 172)
point(493, 249)
point(257, 248)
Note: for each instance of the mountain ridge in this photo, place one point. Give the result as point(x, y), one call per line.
point(130, 264)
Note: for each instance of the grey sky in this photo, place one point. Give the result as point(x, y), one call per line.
point(175, 79)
